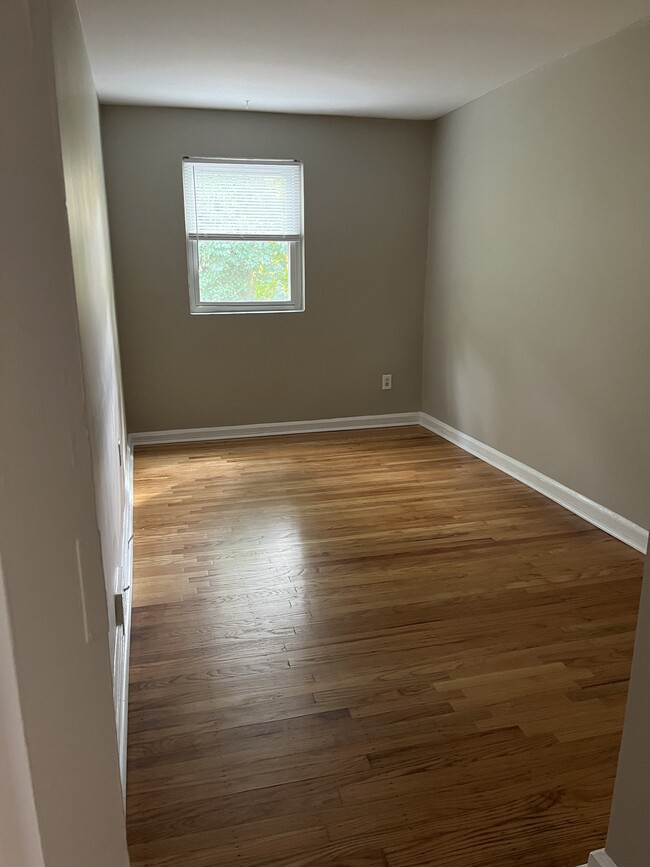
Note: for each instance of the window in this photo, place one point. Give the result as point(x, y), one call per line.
point(243, 221)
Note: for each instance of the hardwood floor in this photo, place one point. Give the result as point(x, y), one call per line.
point(369, 648)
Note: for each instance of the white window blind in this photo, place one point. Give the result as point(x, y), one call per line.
point(229, 199)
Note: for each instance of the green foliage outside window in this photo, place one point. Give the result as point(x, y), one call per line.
point(244, 271)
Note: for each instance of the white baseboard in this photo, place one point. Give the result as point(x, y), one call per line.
point(357, 422)
point(600, 858)
point(123, 637)
point(599, 516)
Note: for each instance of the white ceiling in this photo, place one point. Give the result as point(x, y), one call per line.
point(387, 58)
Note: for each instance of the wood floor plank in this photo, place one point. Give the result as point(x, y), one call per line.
point(368, 649)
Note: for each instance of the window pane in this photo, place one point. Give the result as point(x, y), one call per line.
point(243, 271)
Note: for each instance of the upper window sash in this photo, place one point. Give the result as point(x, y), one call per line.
point(228, 199)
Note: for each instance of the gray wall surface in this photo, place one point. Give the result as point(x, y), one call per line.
point(366, 211)
point(20, 839)
point(83, 172)
point(628, 837)
point(49, 541)
point(538, 288)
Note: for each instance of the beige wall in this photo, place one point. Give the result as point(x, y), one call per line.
point(628, 838)
point(78, 112)
point(538, 298)
point(366, 201)
point(20, 839)
point(49, 541)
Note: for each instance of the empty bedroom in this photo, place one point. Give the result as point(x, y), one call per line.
point(326, 339)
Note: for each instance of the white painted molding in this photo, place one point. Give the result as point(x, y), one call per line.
point(123, 637)
point(600, 858)
point(356, 422)
point(599, 516)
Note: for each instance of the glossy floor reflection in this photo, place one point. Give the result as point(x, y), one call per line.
point(369, 648)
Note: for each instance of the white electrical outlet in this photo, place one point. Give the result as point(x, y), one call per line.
point(387, 381)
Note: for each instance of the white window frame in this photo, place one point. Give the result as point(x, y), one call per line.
point(296, 303)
